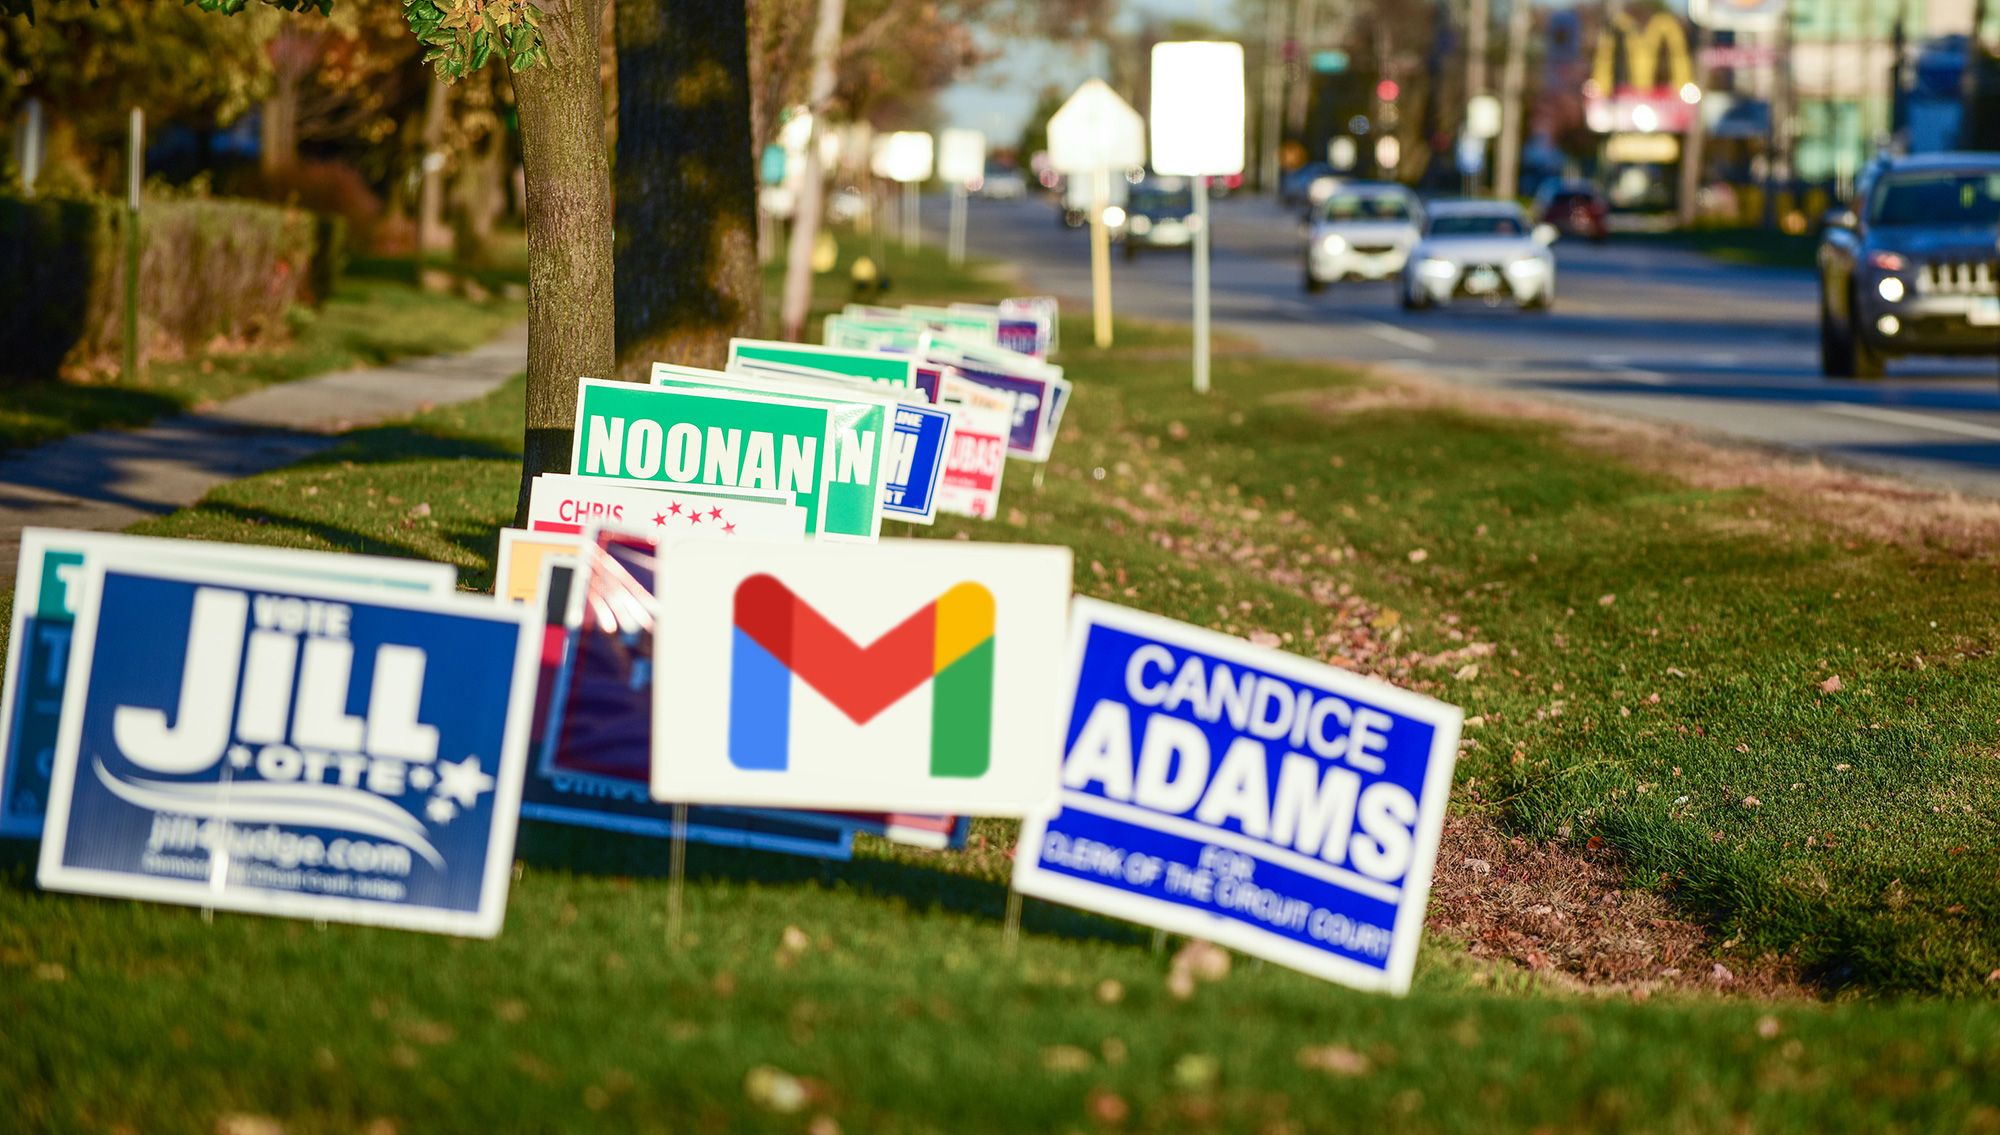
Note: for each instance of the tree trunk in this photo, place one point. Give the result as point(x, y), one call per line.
point(430, 196)
point(812, 186)
point(686, 185)
point(1513, 86)
point(478, 195)
point(293, 54)
point(567, 171)
point(278, 133)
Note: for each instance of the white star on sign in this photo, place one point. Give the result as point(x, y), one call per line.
point(440, 810)
point(463, 781)
point(421, 778)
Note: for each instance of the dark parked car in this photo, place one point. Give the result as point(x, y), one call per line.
point(1575, 208)
point(1159, 214)
point(1912, 267)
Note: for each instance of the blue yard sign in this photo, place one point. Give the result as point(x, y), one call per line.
point(252, 742)
point(916, 462)
point(47, 594)
point(1285, 808)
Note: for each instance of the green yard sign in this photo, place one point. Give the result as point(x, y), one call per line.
point(858, 429)
point(725, 439)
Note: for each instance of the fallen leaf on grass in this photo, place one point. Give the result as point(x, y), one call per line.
point(1607, 600)
point(1110, 991)
point(1752, 802)
point(775, 1089)
point(1338, 1059)
point(1108, 1108)
point(1467, 672)
point(1418, 555)
point(239, 1123)
point(1204, 960)
point(1264, 639)
point(1066, 1058)
point(1197, 1071)
point(1769, 1026)
point(1831, 685)
point(1479, 867)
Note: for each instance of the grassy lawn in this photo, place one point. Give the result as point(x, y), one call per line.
point(376, 315)
point(1650, 664)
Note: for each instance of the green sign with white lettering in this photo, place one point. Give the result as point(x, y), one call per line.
point(730, 439)
point(858, 428)
point(895, 371)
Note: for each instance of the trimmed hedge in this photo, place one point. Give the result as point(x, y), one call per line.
point(208, 268)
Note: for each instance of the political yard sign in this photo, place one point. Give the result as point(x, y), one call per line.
point(48, 593)
point(895, 373)
point(858, 430)
point(695, 438)
point(898, 424)
point(250, 742)
point(913, 676)
point(558, 503)
point(1278, 806)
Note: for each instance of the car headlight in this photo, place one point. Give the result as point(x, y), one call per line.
point(1890, 289)
point(1437, 269)
point(1526, 266)
point(1141, 225)
point(1333, 245)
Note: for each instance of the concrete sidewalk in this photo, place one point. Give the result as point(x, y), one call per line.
point(108, 479)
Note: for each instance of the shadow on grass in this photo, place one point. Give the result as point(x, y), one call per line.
point(43, 410)
point(589, 851)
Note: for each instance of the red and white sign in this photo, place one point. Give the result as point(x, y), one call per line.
point(975, 458)
point(560, 503)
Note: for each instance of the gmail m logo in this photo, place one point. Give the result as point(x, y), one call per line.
point(780, 639)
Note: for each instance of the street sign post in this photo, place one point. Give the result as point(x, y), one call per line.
point(1197, 125)
point(1092, 134)
point(961, 161)
point(905, 157)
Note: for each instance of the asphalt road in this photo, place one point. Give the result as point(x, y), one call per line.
point(1637, 330)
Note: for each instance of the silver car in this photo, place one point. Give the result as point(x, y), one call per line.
point(1484, 250)
point(1363, 230)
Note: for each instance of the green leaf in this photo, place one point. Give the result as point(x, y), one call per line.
point(482, 46)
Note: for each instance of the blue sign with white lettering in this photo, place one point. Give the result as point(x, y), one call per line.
point(1285, 808)
point(260, 744)
point(916, 463)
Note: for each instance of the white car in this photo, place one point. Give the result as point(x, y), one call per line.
point(1364, 230)
point(1485, 250)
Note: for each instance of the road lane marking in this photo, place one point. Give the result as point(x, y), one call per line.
point(1614, 366)
point(1402, 338)
point(1920, 421)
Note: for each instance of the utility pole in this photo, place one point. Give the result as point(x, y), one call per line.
point(1697, 135)
point(1477, 16)
point(1274, 95)
point(1778, 149)
point(1306, 13)
point(1513, 83)
point(797, 297)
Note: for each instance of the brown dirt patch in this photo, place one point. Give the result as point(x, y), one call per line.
point(1566, 913)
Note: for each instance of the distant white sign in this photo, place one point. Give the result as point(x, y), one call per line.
point(1482, 117)
point(1096, 130)
point(1737, 15)
point(961, 155)
point(1197, 112)
point(903, 156)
